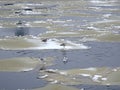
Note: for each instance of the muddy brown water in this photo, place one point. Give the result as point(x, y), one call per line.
point(90, 29)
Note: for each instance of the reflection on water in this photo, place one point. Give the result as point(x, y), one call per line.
point(64, 54)
point(21, 31)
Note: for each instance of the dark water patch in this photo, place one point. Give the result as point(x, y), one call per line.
point(100, 55)
point(7, 54)
point(21, 31)
point(22, 80)
point(27, 53)
point(8, 4)
point(99, 87)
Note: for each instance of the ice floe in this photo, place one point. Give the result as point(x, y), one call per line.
point(21, 43)
point(93, 76)
point(18, 64)
point(24, 64)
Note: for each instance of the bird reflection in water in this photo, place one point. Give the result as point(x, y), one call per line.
point(21, 29)
point(65, 58)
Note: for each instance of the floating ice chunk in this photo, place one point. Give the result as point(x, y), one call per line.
point(44, 76)
point(30, 12)
point(90, 69)
point(101, 2)
point(107, 15)
point(63, 73)
point(40, 21)
point(115, 70)
point(19, 64)
point(51, 70)
point(96, 77)
point(50, 31)
point(34, 4)
point(104, 79)
point(118, 27)
point(58, 21)
point(93, 28)
point(25, 70)
point(69, 20)
point(49, 20)
point(97, 1)
point(1, 26)
point(86, 75)
point(54, 82)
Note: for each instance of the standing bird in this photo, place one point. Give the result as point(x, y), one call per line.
point(44, 40)
point(19, 22)
point(63, 44)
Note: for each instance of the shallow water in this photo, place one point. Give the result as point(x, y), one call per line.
point(78, 34)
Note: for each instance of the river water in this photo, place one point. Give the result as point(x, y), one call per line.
point(76, 33)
